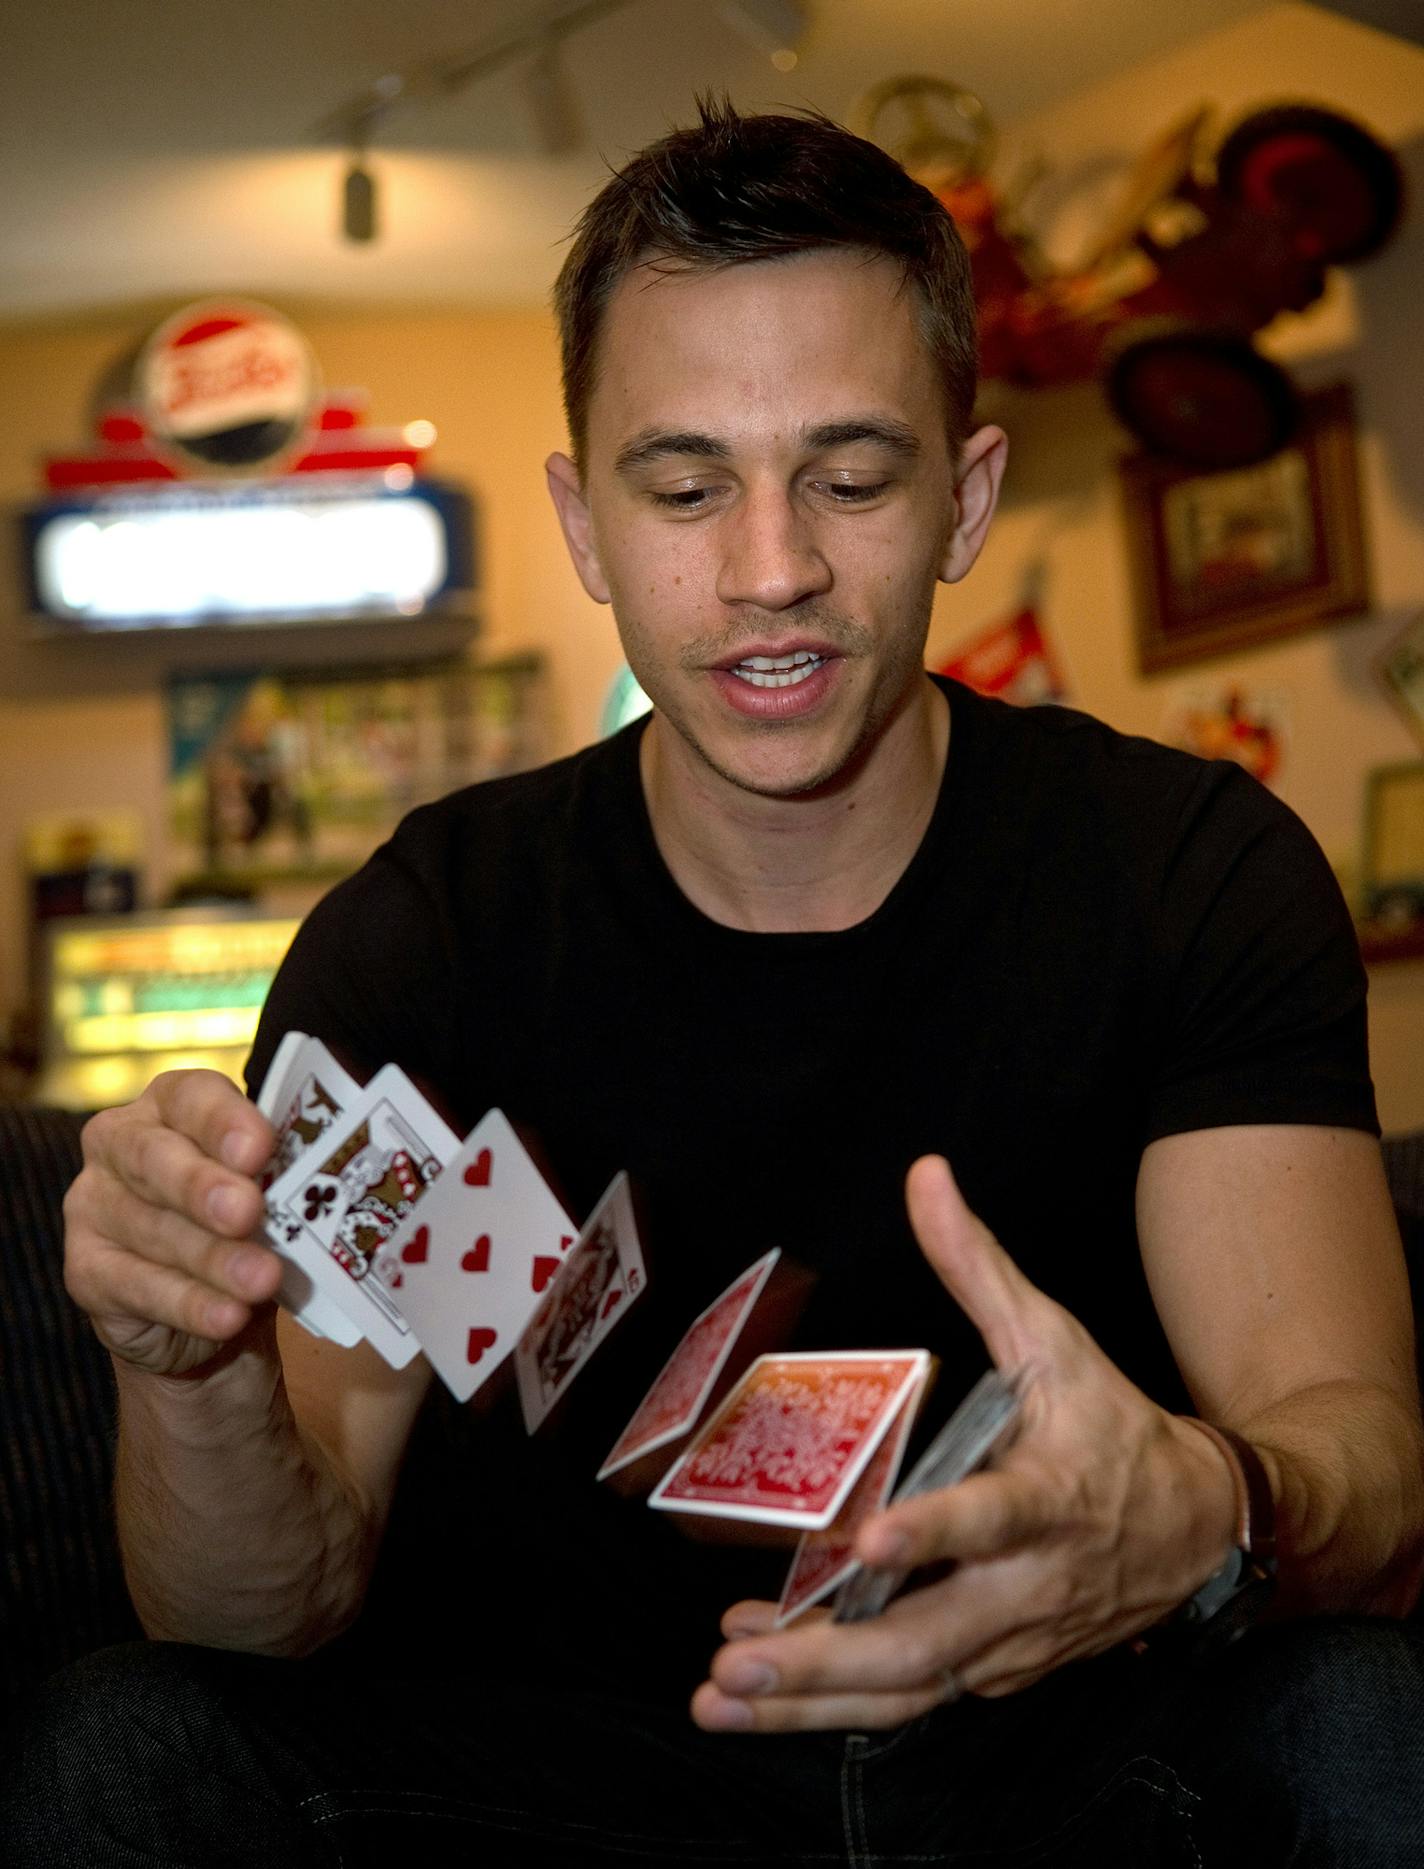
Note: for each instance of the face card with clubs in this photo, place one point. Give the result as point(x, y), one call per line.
point(303, 1094)
point(332, 1215)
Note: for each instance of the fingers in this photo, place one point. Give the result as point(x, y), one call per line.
point(122, 1289)
point(983, 1516)
point(137, 1238)
point(211, 1111)
point(823, 1674)
point(191, 1143)
point(159, 1220)
point(975, 1270)
point(716, 1712)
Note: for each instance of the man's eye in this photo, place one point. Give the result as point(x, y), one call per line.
point(683, 500)
point(851, 492)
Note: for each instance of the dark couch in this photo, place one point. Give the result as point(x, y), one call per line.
point(61, 1587)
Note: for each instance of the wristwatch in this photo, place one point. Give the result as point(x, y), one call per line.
point(1234, 1596)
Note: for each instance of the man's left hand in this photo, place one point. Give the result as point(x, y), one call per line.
point(1104, 1515)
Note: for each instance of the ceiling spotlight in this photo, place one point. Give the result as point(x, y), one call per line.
point(358, 201)
point(773, 26)
point(551, 102)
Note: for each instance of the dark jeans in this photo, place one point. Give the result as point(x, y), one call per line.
point(1301, 1745)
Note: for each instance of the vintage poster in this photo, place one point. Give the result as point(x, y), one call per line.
point(297, 776)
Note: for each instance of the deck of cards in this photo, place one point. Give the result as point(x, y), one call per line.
point(393, 1230)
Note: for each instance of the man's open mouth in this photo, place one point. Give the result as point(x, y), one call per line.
point(777, 671)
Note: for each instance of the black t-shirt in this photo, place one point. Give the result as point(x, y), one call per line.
point(1099, 942)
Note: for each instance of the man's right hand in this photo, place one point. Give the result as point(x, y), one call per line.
point(159, 1222)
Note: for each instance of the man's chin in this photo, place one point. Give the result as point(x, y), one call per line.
point(799, 773)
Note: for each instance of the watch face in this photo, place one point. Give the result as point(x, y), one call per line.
point(1218, 1590)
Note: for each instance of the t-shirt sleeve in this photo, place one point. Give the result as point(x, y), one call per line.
point(370, 973)
point(1262, 985)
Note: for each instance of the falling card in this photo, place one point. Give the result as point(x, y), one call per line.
point(680, 1393)
point(469, 1266)
point(981, 1424)
point(594, 1289)
point(793, 1437)
point(825, 1559)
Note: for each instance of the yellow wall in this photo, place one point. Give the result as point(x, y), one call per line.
point(81, 725)
point(1061, 500)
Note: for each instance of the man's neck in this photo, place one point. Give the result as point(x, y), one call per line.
point(797, 865)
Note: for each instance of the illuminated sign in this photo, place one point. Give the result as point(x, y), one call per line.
point(227, 384)
point(126, 998)
point(383, 545)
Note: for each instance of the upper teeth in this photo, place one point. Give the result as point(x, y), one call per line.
point(778, 671)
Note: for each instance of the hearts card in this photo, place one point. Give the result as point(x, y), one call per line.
point(590, 1293)
point(470, 1266)
point(333, 1214)
point(793, 1437)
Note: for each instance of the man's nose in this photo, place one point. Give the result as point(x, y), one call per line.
point(770, 556)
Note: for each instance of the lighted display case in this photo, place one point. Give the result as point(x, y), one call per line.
point(125, 998)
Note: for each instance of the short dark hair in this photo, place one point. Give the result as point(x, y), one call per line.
point(738, 188)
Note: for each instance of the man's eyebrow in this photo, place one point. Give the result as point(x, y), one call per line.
point(881, 430)
point(656, 444)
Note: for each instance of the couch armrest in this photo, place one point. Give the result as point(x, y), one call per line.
point(61, 1586)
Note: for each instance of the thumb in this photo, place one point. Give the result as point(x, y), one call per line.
point(1009, 1312)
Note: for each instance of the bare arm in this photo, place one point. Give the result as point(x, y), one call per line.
point(251, 1496)
point(1276, 1267)
point(1275, 1264)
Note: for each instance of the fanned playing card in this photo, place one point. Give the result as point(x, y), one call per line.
point(599, 1281)
point(793, 1437)
point(978, 1427)
point(468, 1268)
point(825, 1559)
point(685, 1383)
point(333, 1214)
point(304, 1092)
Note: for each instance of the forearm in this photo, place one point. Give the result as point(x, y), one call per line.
point(1346, 1464)
point(236, 1530)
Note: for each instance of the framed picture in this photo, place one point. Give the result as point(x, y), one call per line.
point(295, 776)
point(1229, 558)
point(1393, 866)
point(1401, 670)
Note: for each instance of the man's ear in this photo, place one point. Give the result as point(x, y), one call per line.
point(976, 494)
point(566, 491)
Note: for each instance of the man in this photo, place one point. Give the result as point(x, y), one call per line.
point(820, 921)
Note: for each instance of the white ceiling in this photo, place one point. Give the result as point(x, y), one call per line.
point(162, 148)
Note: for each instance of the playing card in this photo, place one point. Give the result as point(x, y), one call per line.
point(469, 1266)
point(597, 1284)
point(331, 1215)
point(824, 1559)
point(680, 1392)
point(977, 1427)
point(793, 1437)
point(303, 1093)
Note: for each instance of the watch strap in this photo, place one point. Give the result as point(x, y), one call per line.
point(1255, 1506)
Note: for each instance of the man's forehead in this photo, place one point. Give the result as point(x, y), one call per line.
point(850, 271)
point(814, 338)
